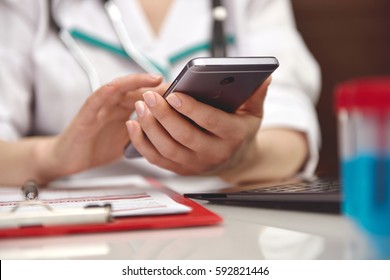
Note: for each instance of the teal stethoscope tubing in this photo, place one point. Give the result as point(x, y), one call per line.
point(127, 49)
point(119, 50)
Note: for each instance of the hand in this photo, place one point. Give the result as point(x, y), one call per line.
point(97, 134)
point(208, 141)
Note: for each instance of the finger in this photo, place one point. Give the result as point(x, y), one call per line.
point(215, 121)
point(160, 89)
point(209, 153)
point(254, 105)
point(134, 82)
point(178, 127)
point(149, 152)
point(128, 87)
point(160, 138)
point(132, 97)
point(138, 138)
point(114, 91)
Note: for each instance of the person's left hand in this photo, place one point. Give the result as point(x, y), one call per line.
point(97, 134)
point(205, 141)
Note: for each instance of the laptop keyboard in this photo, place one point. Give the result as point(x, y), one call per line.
point(314, 186)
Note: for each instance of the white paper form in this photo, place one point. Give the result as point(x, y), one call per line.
point(131, 196)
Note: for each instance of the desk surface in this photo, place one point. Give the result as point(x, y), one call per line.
point(246, 233)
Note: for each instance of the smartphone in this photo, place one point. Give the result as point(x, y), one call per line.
point(224, 82)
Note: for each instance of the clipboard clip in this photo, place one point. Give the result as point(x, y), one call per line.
point(19, 216)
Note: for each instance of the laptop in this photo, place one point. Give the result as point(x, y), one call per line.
point(316, 195)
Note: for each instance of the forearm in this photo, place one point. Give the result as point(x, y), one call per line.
point(274, 154)
point(26, 159)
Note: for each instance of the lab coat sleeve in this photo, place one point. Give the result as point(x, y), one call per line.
point(267, 28)
point(16, 72)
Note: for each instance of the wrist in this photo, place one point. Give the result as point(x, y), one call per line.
point(274, 154)
point(47, 167)
point(236, 170)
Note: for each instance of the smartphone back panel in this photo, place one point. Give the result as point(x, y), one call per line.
point(224, 83)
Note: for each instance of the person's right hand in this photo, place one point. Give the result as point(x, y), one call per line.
point(98, 134)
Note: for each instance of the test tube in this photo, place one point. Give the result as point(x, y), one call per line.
point(363, 109)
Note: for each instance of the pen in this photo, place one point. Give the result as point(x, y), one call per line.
point(30, 190)
point(50, 217)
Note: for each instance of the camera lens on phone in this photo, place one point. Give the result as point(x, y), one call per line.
point(227, 80)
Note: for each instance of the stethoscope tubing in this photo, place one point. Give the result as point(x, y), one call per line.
point(81, 59)
point(123, 36)
point(218, 44)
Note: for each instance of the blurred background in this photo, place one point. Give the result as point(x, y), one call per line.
point(349, 39)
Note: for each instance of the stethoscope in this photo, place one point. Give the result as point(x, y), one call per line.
point(68, 37)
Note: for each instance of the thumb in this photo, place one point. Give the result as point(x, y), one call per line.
point(254, 105)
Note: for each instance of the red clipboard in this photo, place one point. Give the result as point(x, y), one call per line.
point(199, 216)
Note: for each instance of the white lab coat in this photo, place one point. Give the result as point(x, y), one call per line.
point(42, 86)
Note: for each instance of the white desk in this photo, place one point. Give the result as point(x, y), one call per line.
point(246, 233)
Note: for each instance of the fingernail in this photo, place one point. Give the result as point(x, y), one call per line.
point(150, 98)
point(173, 100)
point(130, 127)
point(139, 108)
